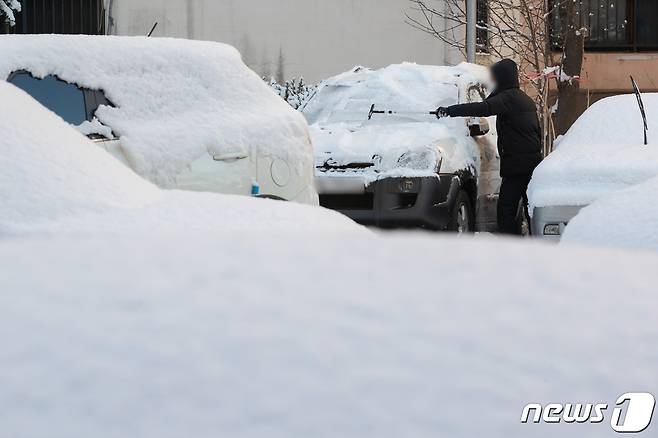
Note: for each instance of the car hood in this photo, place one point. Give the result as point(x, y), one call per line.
point(377, 148)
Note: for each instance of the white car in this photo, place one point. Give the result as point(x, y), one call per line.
point(182, 114)
point(384, 160)
point(602, 153)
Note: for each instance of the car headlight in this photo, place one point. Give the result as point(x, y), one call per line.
point(420, 160)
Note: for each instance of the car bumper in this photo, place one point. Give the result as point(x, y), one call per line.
point(549, 222)
point(392, 202)
point(307, 196)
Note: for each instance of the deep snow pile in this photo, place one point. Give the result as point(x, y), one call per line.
point(257, 335)
point(49, 171)
point(53, 179)
point(341, 129)
point(175, 100)
point(602, 152)
point(627, 218)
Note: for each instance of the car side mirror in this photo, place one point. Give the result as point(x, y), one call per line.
point(478, 127)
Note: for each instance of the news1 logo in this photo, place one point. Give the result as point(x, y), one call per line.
point(632, 413)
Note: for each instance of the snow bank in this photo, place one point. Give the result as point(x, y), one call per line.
point(602, 152)
point(175, 100)
point(49, 171)
point(256, 335)
point(54, 180)
point(339, 114)
point(627, 218)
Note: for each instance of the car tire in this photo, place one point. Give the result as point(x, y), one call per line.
point(461, 220)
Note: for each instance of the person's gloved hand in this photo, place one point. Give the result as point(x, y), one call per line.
point(442, 112)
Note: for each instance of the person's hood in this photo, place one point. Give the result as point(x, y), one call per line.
point(506, 75)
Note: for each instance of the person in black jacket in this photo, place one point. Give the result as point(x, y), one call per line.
point(519, 138)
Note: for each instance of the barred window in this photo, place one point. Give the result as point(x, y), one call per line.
point(625, 25)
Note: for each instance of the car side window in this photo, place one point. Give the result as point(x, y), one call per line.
point(64, 99)
point(477, 93)
point(69, 101)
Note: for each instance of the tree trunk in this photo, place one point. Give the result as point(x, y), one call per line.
point(570, 101)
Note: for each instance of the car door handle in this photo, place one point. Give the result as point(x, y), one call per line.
point(230, 156)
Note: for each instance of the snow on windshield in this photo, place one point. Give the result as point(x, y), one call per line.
point(175, 100)
point(404, 87)
point(342, 132)
point(602, 152)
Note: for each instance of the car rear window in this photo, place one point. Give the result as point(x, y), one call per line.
point(64, 99)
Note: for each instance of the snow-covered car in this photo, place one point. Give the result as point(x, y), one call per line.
point(405, 168)
point(53, 180)
point(182, 114)
point(602, 152)
point(625, 218)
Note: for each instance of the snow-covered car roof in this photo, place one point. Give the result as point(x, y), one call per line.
point(174, 100)
point(54, 179)
point(342, 132)
point(602, 152)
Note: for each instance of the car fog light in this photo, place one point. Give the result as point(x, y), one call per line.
point(552, 230)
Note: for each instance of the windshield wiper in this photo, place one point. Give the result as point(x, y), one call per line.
point(638, 95)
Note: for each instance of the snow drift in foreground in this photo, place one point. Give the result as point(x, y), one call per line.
point(53, 179)
point(174, 100)
point(342, 132)
point(254, 335)
point(627, 218)
point(602, 152)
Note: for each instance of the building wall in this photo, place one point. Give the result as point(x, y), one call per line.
point(609, 73)
point(315, 38)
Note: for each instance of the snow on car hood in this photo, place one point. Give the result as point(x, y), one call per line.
point(56, 181)
point(343, 135)
point(175, 100)
point(602, 152)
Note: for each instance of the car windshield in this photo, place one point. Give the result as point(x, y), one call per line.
point(64, 99)
point(338, 103)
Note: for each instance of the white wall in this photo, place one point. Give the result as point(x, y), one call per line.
point(318, 38)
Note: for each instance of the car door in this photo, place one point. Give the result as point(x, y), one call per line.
point(489, 180)
point(229, 171)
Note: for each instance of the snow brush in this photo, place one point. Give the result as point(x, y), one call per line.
point(373, 111)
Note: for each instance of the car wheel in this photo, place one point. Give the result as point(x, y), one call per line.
point(462, 215)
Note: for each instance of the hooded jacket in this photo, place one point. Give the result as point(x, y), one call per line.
point(519, 134)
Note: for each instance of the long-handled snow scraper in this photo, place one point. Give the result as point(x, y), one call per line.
point(638, 94)
point(402, 113)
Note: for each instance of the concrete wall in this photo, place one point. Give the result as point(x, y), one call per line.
point(608, 73)
point(316, 38)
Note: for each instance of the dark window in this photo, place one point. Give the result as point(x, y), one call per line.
point(647, 23)
point(623, 25)
point(608, 22)
point(59, 16)
point(482, 34)
point(64, 99)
